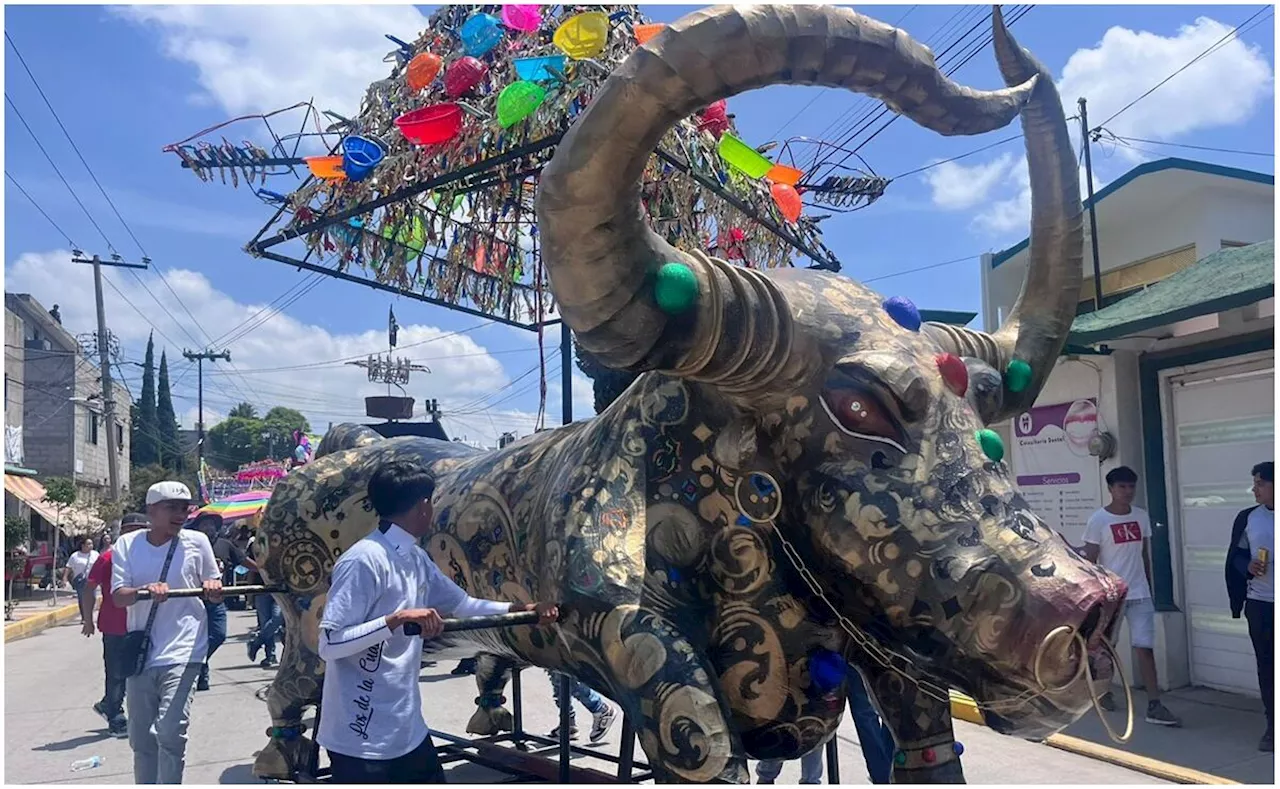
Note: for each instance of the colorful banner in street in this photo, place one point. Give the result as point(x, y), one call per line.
point(1057, 475)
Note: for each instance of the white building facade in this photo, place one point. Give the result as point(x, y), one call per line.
point(1178, 370)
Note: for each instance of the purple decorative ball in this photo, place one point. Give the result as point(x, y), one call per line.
point(903, 312)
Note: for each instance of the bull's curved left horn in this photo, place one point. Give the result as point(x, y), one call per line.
point(602, 257)
point(1037, 327)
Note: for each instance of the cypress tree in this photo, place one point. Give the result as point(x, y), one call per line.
point(145, 442)
point(166, 421)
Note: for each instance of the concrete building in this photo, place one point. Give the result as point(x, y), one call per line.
point(64, 430)
point(14, 364)
point(1173, 377)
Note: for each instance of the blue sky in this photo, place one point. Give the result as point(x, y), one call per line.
point(125, 82)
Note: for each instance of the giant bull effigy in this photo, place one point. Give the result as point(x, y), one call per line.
point(803, 477)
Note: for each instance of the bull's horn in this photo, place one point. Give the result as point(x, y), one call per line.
point(602, 257)
point(1040, 321)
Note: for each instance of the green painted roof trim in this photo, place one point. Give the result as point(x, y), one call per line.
point(19, 471)
point(1229, 278)
point(1147, 168)
point(950, 317)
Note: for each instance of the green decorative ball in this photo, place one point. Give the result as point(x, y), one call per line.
point(676, 289)
point(1017, 376)
point(991, 444)
point(900, 758)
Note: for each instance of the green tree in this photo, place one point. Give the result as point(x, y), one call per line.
point(17, 539)
point(234, 441)
point(143, 477)
point(61, 493)
point(144, 443)
point(246, 410)
point(167, 422)
point(277, 431)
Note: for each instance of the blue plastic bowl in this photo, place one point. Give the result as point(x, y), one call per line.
point(359, 156)
point(539, 69)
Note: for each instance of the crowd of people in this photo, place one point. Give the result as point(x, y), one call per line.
point(387, 595)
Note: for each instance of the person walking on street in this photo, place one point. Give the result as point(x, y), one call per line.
point(79, 564)
point(1118, 537)
point(1251, 584)
point(373, 727)
point(602, 715)
point(270, 619)
point(170, 637)
point(113, 624)
point(210, 524)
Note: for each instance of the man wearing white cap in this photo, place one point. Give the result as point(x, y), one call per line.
point(170, 636)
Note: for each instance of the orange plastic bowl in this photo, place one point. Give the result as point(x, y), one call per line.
point(327, 167)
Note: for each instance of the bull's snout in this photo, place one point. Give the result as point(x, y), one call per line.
point(1087, 611)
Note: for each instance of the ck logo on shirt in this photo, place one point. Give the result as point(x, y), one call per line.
point(1126, 532)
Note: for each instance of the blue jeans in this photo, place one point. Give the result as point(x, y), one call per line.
point(217, 617)
point(588, 697)
point(270, 620)
point(873, 735)
point(811, 767)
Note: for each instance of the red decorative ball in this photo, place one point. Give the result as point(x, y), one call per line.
point(954, 373)
point(929, 756)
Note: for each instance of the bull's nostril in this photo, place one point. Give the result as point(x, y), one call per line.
point(1091, 621)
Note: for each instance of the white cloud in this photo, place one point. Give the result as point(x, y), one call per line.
point(956, 186)
point(1222, 89)
point(464, 377)
point(258, 58)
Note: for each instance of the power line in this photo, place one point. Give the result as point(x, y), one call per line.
point(1188, 65)
point(60, 231)
point(932, 165)
point(1185, 145)
point(922, 268)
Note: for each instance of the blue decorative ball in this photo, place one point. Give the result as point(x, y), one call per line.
point(743, 520)
point(827, 669)
point(958, 748)
point(903, 312)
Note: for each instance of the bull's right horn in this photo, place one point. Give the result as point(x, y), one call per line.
point(602, 257)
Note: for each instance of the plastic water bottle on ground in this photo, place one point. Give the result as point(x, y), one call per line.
point(87, 764)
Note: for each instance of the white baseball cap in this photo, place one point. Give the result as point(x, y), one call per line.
point(169, 490)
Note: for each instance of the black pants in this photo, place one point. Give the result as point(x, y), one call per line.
point(419, 766)
point(114, 658)
point(1262, 627)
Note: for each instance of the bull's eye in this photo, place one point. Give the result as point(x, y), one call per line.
point(860, 413)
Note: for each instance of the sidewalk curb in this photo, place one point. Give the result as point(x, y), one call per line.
point(31, 625)
point(963, 708)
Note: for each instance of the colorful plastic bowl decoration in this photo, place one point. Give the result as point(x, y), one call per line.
point(539, 69)
point(583, 36)
point(782, 174)
point(349, 232)
point(714, 118)
point(480, 34)
point(462, 75)
point(518, 101)
point(524, 18)
point(788, 201)
point(431, 125)
point(743, 156)
point(360, 155)
point(422, 71)
point(646, 32)
point(412, 234)
point(326, 167)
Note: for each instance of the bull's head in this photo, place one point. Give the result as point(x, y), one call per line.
point(871, 424)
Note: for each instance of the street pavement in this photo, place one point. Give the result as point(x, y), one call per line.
point(52, 679)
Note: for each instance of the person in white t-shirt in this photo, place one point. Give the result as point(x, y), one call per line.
point(1118, 537)
point(79, 564)
point(372, 725)
point(159, 698)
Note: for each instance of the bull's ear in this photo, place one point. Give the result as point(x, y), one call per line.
point(737, 444)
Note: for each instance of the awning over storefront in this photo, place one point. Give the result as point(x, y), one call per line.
point(75, 520)
point(1227, 279)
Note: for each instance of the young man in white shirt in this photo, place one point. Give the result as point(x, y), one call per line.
point(1118, 537)
point(1251, 584)
point(159, 698)
point(372, 723)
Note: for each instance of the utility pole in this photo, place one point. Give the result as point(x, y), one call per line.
point(104, 359)
point(1093, 213)
point(199, 359)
